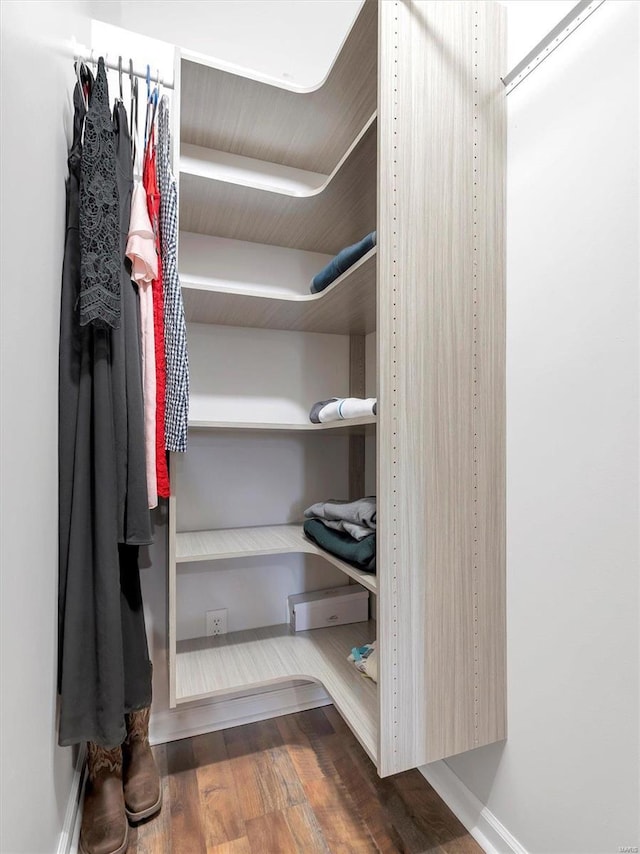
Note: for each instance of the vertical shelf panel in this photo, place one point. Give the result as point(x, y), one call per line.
point(171, 581)
point(441, 380)
point(489, 368)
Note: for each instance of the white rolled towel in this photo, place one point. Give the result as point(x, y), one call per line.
point(341, 408)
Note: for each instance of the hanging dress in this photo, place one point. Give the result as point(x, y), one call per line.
point(149, 179)
point(175, 333)
point(134, 521)
point(141, 251)
point(103, 663)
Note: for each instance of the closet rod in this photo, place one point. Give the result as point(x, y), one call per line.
point(568, 25)
point(92, 60)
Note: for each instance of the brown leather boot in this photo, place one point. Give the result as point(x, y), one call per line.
point(104, 828)
point(142, 790)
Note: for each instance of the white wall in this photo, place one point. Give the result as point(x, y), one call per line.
point(287, 40)
point(567, 778)
point(37, 80)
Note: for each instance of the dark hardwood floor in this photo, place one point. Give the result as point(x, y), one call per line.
point(299, 783)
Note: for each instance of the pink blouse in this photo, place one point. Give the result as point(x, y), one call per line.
point(141, 251)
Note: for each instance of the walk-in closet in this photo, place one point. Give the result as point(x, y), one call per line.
point(319, 400)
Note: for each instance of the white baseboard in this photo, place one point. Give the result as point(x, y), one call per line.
point(172, 724)
point(67, 844)
point(490, 834)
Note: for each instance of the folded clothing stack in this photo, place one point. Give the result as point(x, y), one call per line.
point(340, 408)
point(365, 659)
point(344, 259)
point(347, 529)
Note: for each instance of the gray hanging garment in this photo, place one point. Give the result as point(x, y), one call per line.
point(103, 663)
point(134, 521)
point(99, 297)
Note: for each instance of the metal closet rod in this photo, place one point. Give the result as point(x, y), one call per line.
point(568, 25)
point(114, 66)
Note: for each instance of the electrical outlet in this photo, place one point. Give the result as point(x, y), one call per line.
point(216, 622)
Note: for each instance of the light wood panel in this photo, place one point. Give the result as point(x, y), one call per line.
point(326, 220)
point(489, 423)
point(308, 130)
point(440, 374)
point(357, 426)
point(209, 667)
point(346, 307)
point(172, 615)
point(357, 385)
point(265, 540)
point(214, 165)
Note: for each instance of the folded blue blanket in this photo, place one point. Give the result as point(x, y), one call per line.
point(344, 259)
point(360, 553)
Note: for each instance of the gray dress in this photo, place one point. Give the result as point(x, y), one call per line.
point(103, 662)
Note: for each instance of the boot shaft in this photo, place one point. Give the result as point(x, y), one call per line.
point(103, 761)
point(137, 727)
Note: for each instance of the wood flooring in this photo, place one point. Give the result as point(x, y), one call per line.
point(299, 783)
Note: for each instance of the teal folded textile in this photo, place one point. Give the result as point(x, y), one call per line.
point(360, 553)
point(346, 258)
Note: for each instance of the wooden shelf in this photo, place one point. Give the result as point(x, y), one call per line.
point(208, 667)
point(214, 165)
point(266, 540)
point(309, 130)
point(352, 426)
point(346, 307)
point(234, 201)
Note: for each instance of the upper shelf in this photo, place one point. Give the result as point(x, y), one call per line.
point(242, 199)
point(308, 130)
point(346, 307)
point(215, 165)
point(352, 426)
point(250, 542)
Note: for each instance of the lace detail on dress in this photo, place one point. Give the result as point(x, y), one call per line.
point(99, 299)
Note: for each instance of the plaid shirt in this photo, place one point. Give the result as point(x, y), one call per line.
point(175, 333)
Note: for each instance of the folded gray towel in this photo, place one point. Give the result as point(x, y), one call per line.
point(356, 518)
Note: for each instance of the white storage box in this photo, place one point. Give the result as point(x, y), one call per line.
point(332, 607)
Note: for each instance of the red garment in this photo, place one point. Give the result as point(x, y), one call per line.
point(149, 179)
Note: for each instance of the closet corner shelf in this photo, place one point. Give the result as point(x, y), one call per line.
point(228, 109)
point(226, 543)
point(231, 196)
point(346, 307)
point(352, 426)
point(208, 667)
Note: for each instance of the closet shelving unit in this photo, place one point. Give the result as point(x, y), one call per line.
point(405, 135)
point(346, 307)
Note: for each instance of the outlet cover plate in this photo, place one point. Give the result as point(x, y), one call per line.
point(216, 622)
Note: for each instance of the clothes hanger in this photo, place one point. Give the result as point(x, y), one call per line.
point(79, 68)
point(146, 116)
point(133, 133)
point(154, 100)
point(131, 89)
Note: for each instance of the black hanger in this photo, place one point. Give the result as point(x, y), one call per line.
point(83, 78)
point(134, 121)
